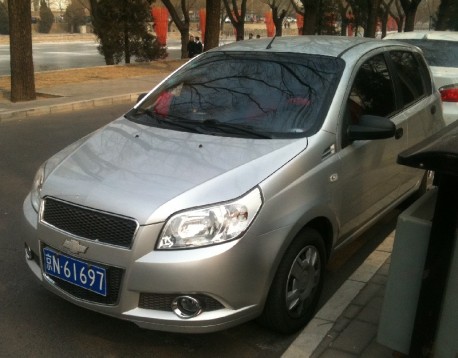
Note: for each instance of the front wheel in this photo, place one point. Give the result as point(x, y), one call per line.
point(297, 285)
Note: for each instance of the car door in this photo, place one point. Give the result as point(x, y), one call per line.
point(369, 176)
point(420, 108)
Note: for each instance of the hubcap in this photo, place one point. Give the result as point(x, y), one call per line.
point(303, 278)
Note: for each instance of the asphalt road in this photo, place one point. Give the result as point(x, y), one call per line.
point(34, 322)
point(64, 55)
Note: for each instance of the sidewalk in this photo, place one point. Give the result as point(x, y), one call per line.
point(345, 327)
point(72, 97)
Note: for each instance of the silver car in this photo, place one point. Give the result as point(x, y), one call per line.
point(440, 49)
point(221, 195)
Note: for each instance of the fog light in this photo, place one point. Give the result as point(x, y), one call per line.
point(186, 307)
point(28, 252)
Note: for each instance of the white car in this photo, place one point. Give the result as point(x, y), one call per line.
point(440, 49)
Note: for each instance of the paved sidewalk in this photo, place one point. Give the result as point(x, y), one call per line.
point(345, 327)
point(72, 97)
point(347, 324)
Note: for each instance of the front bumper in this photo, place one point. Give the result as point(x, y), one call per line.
point(231, 279)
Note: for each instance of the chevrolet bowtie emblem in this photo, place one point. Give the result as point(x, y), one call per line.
point(75, 247)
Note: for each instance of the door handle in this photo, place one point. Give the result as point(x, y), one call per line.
point(398, 133)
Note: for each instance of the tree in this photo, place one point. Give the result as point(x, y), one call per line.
point(212, 27)
point(21, 59)
point(75, 16)
point(410, 9)
point(447, 15)
point(385, 13)
point(343, 8)
point(372, 11)
point(181, 19)
point(398, 16)
point(4, 22)
point(279, 10)
point(327, 19)
point(123, 32)
point(309, 9)
point(237, 16)
point(46, 18)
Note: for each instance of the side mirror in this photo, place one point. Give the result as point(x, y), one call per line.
point(371, 127)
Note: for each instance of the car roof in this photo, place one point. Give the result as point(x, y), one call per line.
point(424, 35)
point(334, 46)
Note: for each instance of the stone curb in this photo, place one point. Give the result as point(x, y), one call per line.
point(67, 107)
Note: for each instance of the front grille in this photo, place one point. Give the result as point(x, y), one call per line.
point(89, 224)
point(163, 302)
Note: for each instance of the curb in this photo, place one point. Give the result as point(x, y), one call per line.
point(67, 107)
point(317, 329)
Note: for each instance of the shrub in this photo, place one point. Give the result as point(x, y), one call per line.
point(46, 18)
point(4, 20)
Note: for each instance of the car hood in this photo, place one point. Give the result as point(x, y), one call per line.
point(149, 173)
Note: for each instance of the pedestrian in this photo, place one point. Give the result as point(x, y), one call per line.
point(191, 47)
point(198, 46)
point(250, 36)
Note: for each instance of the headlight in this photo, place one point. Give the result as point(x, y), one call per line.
point(210, 225)
point(36, 187)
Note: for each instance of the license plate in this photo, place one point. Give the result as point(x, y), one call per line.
point(79, 273)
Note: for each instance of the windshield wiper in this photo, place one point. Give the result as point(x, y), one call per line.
point(233, 128)
point(181, 123)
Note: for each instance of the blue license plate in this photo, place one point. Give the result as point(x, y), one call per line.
point(77, 272)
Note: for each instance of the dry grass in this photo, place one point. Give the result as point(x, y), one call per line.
point(52, 78)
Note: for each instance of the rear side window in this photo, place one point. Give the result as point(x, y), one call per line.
point(409, 73)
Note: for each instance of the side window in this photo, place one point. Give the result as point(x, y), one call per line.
point(409, 72)
point(372, 91)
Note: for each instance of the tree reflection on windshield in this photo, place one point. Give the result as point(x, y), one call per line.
point(274, 93)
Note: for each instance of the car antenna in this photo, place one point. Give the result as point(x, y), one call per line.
point(269, 46)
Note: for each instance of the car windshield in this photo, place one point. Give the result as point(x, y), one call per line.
point(255, 94)
point(438, 53)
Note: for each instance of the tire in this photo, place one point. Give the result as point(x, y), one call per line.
point(297, 285)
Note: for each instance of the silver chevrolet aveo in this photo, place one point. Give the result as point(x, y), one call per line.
point(221, 195)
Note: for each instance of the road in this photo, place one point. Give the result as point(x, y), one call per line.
point(34, 322)
point(64, 55)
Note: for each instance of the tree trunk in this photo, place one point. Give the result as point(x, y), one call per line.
point(372, 8)
point(126, 46)
point(311, 8)
point(410, 10)
point(21, 59)
point(182, 25)
point(278, 19)
point(212, 26)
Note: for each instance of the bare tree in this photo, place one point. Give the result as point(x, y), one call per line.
point(21, 59)
point(343, 7)
point(398, 15)
point(410, 9)
point(372, 11)
point(385, 7)
point(237, 16)
point(309, 9)
point(180, 16)
point(279, 10)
